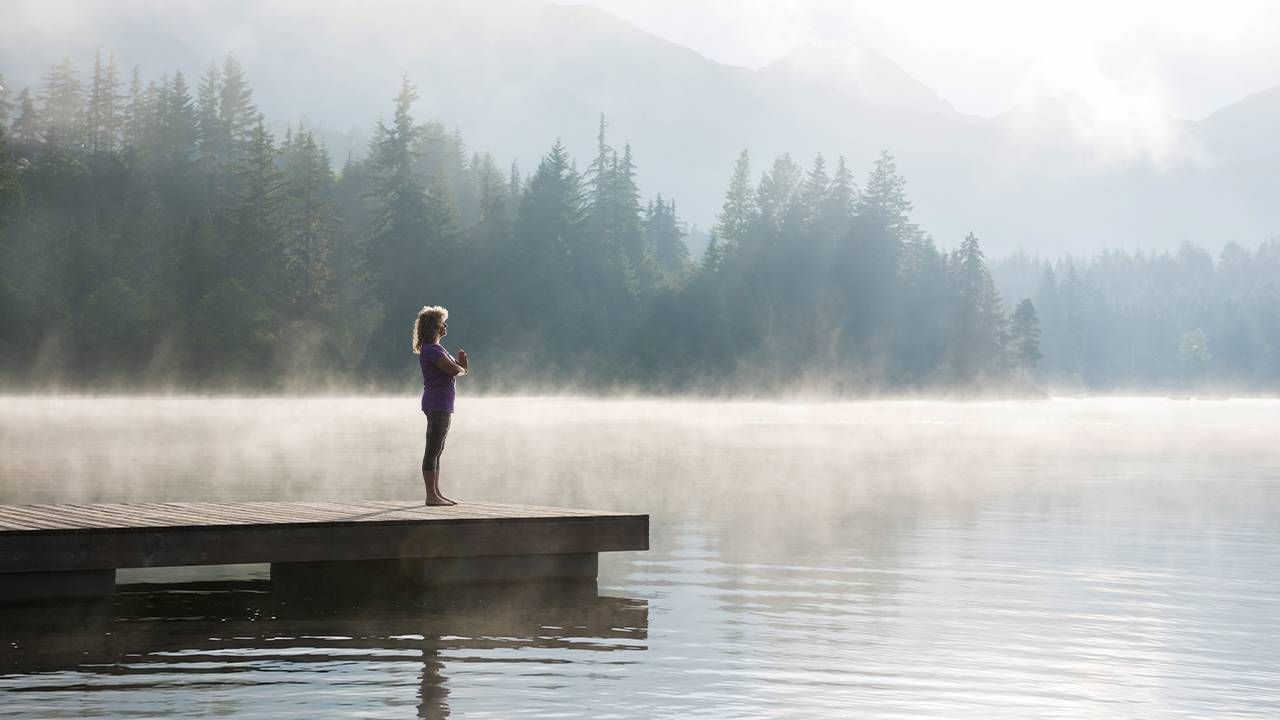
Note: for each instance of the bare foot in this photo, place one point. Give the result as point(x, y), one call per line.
point(439, 501)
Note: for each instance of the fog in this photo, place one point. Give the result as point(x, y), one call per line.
point(940, 344)
point(1102, 116)
point(938, 559)
point(669, 457)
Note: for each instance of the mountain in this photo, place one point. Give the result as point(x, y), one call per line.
point(514, 75)
point(856, 73)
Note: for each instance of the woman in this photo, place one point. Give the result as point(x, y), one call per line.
point(439, 369)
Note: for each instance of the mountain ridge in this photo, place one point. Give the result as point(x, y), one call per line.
point(514, 75)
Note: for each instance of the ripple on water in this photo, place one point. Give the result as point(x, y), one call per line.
point(1061, 559)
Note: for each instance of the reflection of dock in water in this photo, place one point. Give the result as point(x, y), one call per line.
point(219, 627)
point(145, 620)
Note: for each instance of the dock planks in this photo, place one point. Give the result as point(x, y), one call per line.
point(62, 538)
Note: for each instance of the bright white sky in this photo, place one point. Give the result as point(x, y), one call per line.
point(1186, 58)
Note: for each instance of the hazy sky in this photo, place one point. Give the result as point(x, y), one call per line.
point(1129, 59)
point(1187, 58)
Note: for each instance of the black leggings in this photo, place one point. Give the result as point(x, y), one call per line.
point(437, 429)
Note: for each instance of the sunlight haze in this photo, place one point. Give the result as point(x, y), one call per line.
point(989, 55)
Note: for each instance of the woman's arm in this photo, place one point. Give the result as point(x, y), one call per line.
point(451, 367)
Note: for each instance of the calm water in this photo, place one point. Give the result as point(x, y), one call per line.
point(1069, 558)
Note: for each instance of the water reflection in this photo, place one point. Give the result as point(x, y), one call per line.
point(238, 634)
point(1064, 559)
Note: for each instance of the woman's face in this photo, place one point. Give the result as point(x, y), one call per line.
point(444, 328)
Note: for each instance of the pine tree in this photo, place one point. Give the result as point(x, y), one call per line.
point(712, 257)
point(813, 193)
point(607, 259)
point(1074, 300)
point(10, 190)
point(883, 203)
point(602, 203)
point(740, 211)
point(664, 240)
point(1024, 335)
point(176, 124)
point(151, 109)
point(920, 326)
point(6, 106)
point(1049, 312)
point(491, 188)
point(256, 255)
point(102, 115)
point(833, 216)
point(63, 105)
point(135, 113)
point(311, 228)
point(979, 345)
point(552, 209)
point(236, 112)
point(514, 187)
point(625, 196)
point(26, 127)
point(401, 261)
point(211, 137)
point(866, 264)
point(555, 271)
point(777, 195)
point(455, 177)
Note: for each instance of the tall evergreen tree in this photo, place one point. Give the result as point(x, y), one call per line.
point(63, 104)
point(740, 210)
point(102, 114)
point(834, 214)
point(10, 190)
point(813, 193)
point(491, 188)
point(626, 198)
point(603, 204)
point(866, 264)
point(210, 134)
point(1025, 335)
point(664, 240)
point(401, 261)
point(176, 123)
point(712, 257)
point(26, 126)
point(979, 345)
point(6, 105)
point(237, 115)
point(311, 229)
point(550, 228)
point(256, 253)
point(135, 113)
point(777, 194)
point(883, 205)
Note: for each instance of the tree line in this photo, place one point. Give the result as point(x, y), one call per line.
point(160, 233)
point(1133, 320)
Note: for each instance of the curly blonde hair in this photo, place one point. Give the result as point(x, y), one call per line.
point(427, 324)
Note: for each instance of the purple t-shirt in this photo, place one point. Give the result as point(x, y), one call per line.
point(437, 385)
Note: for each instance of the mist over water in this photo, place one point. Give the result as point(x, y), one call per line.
point(1060, 558)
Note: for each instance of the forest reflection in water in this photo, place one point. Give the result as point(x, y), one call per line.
point(1065, 558)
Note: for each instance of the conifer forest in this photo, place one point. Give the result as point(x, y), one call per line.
point(157, 232)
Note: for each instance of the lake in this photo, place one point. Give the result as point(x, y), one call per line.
point(1065, 558)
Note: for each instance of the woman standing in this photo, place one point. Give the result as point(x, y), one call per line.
point(439, 370)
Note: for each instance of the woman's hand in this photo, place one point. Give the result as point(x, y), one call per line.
point(462, 358)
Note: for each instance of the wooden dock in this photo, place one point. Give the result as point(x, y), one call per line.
point(59, 551)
